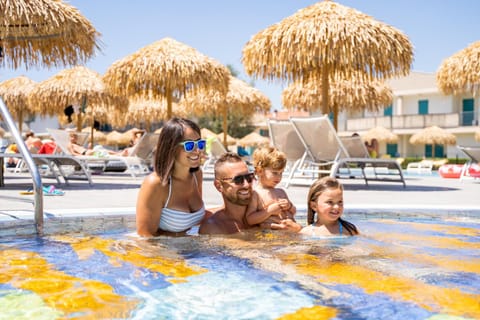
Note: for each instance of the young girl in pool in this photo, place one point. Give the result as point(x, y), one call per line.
point(325, 199)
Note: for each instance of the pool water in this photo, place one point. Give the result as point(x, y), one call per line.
point(408, 268)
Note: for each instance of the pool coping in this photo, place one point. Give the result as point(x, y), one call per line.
point(99, 220)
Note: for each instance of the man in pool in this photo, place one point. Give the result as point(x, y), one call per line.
point(235, 182)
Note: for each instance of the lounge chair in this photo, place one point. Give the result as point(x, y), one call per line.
point(284, 137)
point(420, 167)
point(60, 167)
point(326, 154)
point(134, 163)
point(214, 150)
point(471, 167)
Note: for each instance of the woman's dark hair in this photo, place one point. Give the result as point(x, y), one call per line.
point(317, 188)
point(171, 135)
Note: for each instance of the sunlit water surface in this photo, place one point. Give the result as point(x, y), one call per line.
point(409, 268)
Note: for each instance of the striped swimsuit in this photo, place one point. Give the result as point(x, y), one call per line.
point(177, 221)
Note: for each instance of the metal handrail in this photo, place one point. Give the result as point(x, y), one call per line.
point(27, 157)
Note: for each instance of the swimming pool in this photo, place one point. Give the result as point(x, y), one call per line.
point(408, 267)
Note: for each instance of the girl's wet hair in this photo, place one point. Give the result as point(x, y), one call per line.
point(171, 135)
point(317, 188)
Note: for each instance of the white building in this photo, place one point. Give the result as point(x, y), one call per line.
point(417, 104)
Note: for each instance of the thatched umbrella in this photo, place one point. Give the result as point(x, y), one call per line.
point(166, 69)
point(207, 133)
point(46, 33)
point(230, 140)
point(327, 39)
point(15, 93)
point(146, 110)
point(78, 86)
point(461, 72)
point(241, 97)
point(98, 136)
point(115, 138)
point(355, 94)
point(433, 135)
point(253, 139)
point(382, 134)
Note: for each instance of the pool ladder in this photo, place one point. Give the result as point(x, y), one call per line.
point(27, 157)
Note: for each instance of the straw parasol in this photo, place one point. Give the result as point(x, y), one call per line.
point(166, 69)
point(115, 138)
point(253, 139)
point(230, 140)
point(143, 109)
point(327, 39)
point(15, 93)
point(45, 33)
point(241, 97)
point(207, 133)
point(355, 94)
point(433, 135)
point(380, 133)
point(78, 86)
point(460, 73)
point(98, 136)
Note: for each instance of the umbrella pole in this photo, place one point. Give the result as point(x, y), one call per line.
point(91, 132)
point(225, 126)
point(169, 103)
point(20, 121)
point(335, 117)
point(325, 90)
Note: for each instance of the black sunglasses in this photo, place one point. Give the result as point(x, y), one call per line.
point(239, 180)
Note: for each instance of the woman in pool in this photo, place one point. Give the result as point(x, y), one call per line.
point(170, 199)
point(325, 199)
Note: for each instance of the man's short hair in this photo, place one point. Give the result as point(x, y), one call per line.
point(227, 157)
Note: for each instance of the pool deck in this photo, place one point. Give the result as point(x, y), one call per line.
point(116, 193)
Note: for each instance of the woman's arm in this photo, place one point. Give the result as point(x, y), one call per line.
point(150, 201)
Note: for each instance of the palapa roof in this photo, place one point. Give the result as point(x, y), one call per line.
point(240, 95)
point(15, 93)
point(460, 73)
point(382, 134)
point(45, 33)
point(327, 37)
point(75, 86)
point(433, 135)
point(165, 69)
point(253, 139)
point(352, 95)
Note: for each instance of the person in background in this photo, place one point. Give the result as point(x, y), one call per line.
point(136, 137)
point(235, 182)
point(269, 164)
point(170, 199)
point(372, 148)
point(325, 199)
point(34, 144)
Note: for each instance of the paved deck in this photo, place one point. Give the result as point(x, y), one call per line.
point(116, 193)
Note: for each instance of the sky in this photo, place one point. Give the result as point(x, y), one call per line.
point(221, 28)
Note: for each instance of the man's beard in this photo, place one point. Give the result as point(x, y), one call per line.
point(235, 199)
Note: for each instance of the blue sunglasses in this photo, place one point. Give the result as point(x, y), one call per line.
point(189, 145)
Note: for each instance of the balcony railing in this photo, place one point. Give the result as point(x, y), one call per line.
point(414, 121)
